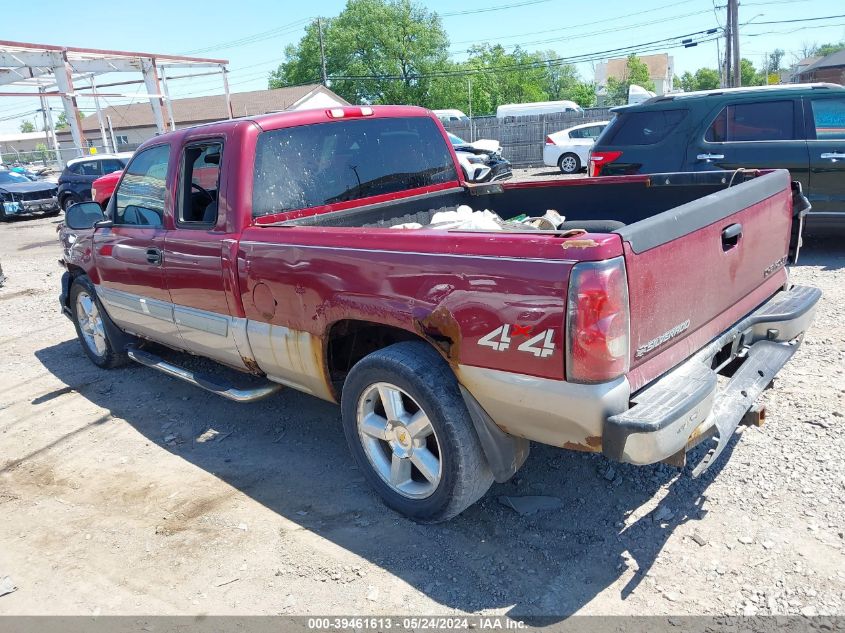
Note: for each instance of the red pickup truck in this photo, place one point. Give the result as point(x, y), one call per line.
point(645, 323)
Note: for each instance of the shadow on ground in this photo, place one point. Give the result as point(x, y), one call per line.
point(289, 454)
point(826, 251)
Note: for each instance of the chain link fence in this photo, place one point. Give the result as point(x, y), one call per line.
point(522, 138)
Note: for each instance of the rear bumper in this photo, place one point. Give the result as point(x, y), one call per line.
point(678, 410)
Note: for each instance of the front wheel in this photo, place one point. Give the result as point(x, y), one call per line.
point(91, 327)
point(569, 164)
point(411, 434)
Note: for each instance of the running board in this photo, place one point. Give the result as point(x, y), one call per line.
point(199, 380)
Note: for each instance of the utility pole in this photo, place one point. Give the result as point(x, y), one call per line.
point(734, 7)
point(728, 75)
point(322, 52)
point(719, 65)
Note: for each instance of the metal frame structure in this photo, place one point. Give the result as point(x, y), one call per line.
point(61, 71)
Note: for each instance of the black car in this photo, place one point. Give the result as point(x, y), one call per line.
point(797, 127)
point(20, 196)
point(79, 173)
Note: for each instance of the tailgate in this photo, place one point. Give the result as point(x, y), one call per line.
point(696, 269)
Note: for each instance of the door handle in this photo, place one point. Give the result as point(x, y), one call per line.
point(730, 236)
point(710, 157)
point(154, 256)
point(833, 155)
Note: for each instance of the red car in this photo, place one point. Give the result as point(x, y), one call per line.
point(103, 188)
point(455, 338)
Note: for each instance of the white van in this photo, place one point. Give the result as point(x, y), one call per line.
point(451, 116)
point(509, 111)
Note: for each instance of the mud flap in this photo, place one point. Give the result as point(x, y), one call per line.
point(505, 453)
point(765, 358)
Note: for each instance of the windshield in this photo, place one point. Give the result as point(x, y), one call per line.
point(456, 140)
point(11, 177)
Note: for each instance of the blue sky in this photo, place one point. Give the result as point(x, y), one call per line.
point(266, 27)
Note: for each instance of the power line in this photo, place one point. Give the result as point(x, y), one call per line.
point(502, 7)
point(576, 26)
point(579, 36)
point(665, 43)
point(254, 37)
point(823, 17)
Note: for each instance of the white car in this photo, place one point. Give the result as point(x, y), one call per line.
point(481, 161)
point(569, 149)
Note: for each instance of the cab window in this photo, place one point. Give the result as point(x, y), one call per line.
point(139, 200)
point(761, 121)
point(200, 184)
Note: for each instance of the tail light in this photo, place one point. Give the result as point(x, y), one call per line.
point(600, 159)
point(598, 322)
point(549, 141)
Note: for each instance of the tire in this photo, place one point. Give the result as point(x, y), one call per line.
point(569, 163)
point(68, 200)
point(426, 387)
point(87, 314)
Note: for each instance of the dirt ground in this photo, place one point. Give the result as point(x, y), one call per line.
point(126, 492)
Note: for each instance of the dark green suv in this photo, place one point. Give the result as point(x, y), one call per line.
point(798, 127)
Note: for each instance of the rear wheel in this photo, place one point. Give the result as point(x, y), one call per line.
point(68, 201)
point(569, 164)
point(410, 433)
point(91, 327)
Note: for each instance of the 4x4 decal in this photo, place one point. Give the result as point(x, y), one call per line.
point(541, 345)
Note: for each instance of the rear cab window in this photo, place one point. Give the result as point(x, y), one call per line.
point(754, 121)
point(325, 163)
point(644, 127)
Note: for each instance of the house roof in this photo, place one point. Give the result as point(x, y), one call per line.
point(209, 108)
point(831, 61)
point(658, 66)
point(15, 137)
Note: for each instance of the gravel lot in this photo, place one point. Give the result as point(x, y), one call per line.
point(125, 492)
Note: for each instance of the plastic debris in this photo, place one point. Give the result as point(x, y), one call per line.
point(7, 586)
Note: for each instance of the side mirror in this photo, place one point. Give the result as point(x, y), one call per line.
point(83, 215)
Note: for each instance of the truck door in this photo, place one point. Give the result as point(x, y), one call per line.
point(826, 143)
point(754, 135)
point(128, 255)
point(193, 257)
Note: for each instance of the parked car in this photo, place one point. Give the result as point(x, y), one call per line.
point(481, 160)
point(449, 350)
point(797, 127)
point(569, 149)
point(451, 116)
point(20, 196)
point(509, 111)
point(79, 173)
point(103, 188)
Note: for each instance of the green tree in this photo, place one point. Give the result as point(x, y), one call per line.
point(61, 121)
point(773, 63)
point(749, 74)
point(376, 52)
point(41, 152)
point(703, 79)
point(828, 49)
point(27, 126)
point(636, 73)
